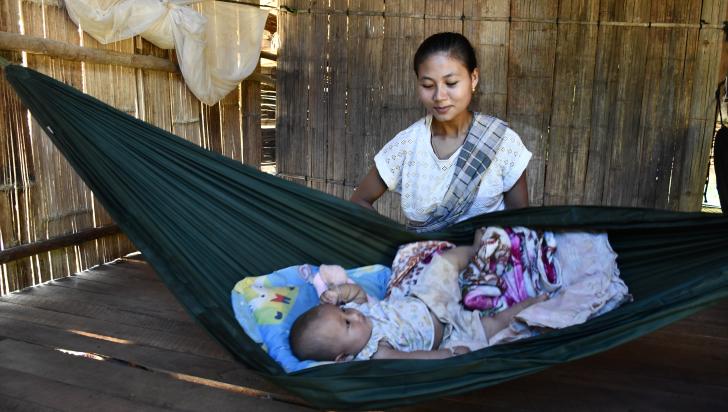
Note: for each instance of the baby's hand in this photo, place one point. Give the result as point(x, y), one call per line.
point(330, 296)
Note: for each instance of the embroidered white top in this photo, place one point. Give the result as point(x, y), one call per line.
point(408, 165)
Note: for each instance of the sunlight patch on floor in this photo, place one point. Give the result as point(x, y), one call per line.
point(100, 337)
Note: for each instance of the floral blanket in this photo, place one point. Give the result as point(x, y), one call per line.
point(581, 277)
point(511, 265)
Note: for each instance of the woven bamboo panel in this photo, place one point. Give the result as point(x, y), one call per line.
point(709, 48)
point(570, 124)
point(116, 86)
point(41, 197)
point(185, 109)
point(365, 45)
point(16, 167)
point(250, 96)
point(486, 26)
point(612, 97)
point(58, 200)
point(335, 97)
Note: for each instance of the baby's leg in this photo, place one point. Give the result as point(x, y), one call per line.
point(499, 321)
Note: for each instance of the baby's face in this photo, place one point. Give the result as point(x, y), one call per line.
point(347, 330)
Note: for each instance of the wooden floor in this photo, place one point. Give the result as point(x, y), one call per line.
point(114, 338)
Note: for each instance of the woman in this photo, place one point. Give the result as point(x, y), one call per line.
point(452, 164)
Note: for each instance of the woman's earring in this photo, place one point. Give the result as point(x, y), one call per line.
point(473, 89)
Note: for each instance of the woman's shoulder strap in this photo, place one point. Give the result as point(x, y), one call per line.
point(487, 119)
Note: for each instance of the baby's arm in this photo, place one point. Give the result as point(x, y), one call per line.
point(385, 351)
point(341, 294)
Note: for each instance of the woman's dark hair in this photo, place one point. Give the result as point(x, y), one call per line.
point(454, 44)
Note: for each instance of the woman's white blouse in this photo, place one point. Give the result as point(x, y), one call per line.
point(408, 165)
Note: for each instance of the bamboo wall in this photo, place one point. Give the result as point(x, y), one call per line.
point(614, 98)
point(40, 195)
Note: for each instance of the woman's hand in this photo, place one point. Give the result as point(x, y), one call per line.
point(459, 350)
point(477, 239)
point(454, 351)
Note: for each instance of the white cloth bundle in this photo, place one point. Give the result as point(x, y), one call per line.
point(216, 48)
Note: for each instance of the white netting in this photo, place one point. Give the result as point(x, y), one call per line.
point(218, 45)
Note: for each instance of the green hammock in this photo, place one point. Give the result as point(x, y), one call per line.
point(204, 221)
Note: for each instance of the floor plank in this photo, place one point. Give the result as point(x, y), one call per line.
point(74, 296)
point(98, 309)
point(118, 295)
point(130, 384)
point(122, 313)
point(195, 342)
point(11, 404)
point(149, 357)
point(24, 391)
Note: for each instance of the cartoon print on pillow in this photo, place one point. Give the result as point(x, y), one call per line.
point(269, 304)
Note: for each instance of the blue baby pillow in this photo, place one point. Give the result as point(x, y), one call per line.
point(266, 306)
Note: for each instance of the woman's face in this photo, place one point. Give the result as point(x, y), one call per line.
point(445, 87)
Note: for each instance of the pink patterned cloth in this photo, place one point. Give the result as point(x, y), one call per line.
point(590, 286)
point(512, 264)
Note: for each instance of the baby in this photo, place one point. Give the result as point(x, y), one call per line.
point(428, 324)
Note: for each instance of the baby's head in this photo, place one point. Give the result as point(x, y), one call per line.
point(330, 333)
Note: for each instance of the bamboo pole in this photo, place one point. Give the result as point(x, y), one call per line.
point(261, 78)
point(66, 51)
point(22, 251)
point(268, 55)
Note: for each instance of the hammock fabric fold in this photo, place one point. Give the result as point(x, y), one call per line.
point(204, 221)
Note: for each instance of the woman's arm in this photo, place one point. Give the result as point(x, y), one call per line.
point(517, 197)
point(371, 188)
